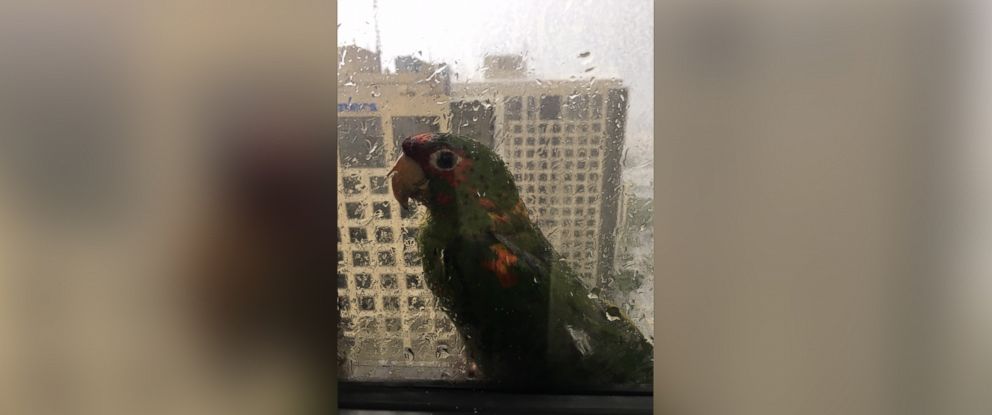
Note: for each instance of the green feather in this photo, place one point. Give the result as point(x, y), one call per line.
point(544, 328)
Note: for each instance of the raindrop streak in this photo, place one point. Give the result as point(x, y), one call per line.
point(442, 351)
point(439, 70)
point(581, 340)
point(613, 313)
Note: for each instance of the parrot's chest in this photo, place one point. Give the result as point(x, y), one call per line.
point(478, 283)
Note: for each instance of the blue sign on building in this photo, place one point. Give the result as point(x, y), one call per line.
point(357, 106)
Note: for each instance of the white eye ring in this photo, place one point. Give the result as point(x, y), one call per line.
point(444, 160)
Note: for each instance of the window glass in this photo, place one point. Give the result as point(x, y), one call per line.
point(352, 184)
point(360, 142)
point(357, 235)
point(363, 280)
point(384, 235)
point(550, 108)
point(569, 112)
point(388, 281)
point(578, 106)
point(404, 127)
point(382, 210)
point(475, 118)
point(360, 259)
point(355, 210)
point(387, 258)
point(513, 108)
point(378, 185)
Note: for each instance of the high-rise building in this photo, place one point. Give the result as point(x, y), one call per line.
point(504, 67)
point(562, 140)
point(436, 73)
point(390, 327)
point(354, 59)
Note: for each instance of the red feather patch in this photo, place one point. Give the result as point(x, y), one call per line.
point(486, 203)
point(499, 217)
point(501, 265)
point(423, 138)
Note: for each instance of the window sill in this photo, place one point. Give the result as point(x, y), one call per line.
point(368, 398)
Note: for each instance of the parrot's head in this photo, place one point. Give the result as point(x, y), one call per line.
point(448, 173)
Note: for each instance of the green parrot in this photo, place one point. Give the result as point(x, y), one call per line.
point(526, 317)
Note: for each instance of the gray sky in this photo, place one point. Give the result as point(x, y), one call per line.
point(617, 33)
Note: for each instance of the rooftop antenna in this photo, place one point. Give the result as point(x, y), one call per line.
point(375, 19)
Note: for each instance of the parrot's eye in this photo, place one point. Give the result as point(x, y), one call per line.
point(444, 159)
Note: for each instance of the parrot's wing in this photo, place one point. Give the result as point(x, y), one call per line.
point(587, 337)
point(497, 296)
point(530, 311)
point(528, 263)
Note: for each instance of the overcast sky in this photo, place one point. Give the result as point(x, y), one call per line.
point(617, 33)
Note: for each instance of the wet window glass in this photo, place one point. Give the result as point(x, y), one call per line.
point(378, 185)
point(357, 235)
point(513, 108)
point(404, 127)
point(567, 115)
point(550, 107)
point(384, 235)
point(360, 142)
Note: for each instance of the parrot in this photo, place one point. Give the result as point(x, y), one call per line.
point(525, 315)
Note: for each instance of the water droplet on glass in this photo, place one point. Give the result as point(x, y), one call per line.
point(581, 340)
point(442, 351)
point(612, 313)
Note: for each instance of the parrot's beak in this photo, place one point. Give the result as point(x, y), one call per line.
point(408, 181)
